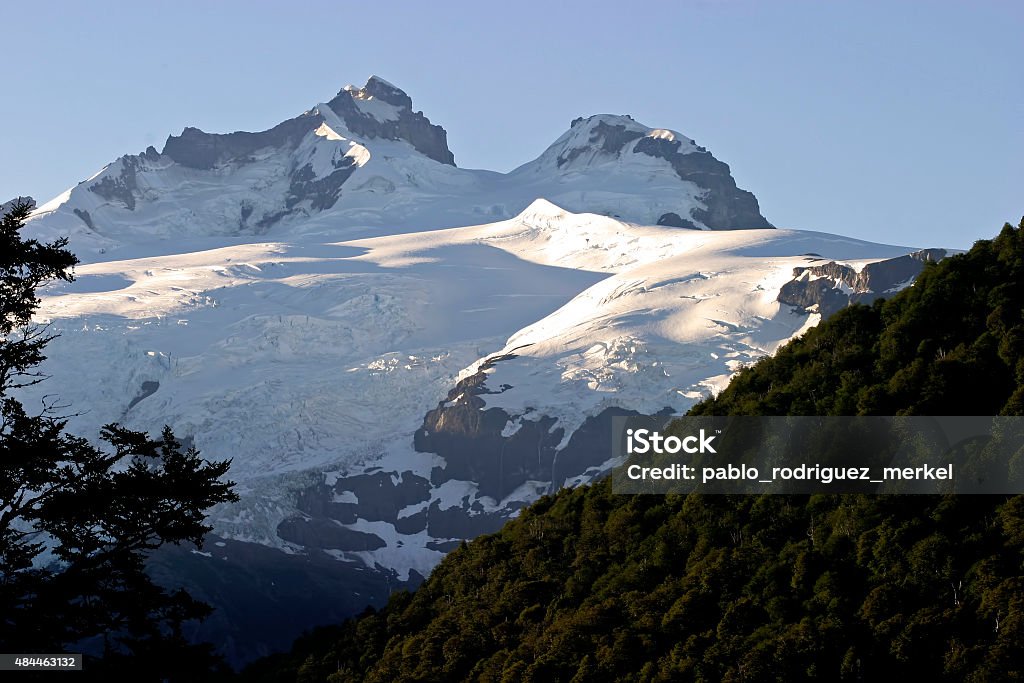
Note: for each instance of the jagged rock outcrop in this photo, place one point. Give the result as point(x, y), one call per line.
point(706, 195)
point(499, 461)
point(501, 452)
point(727, 206)
point(357, 107)
point(400, 123)
point(121, 187)
point(608, 138)
point(832, 286)
point(325, 534)
point(370, 161)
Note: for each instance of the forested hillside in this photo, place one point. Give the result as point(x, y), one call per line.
point(590, 586)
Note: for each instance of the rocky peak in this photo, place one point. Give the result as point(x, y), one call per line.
point(598, 136)
point(382, 110)
point(621, 144)
point(377, 110)
point(382, 90)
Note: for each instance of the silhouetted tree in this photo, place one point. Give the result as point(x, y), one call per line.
point(77, 521)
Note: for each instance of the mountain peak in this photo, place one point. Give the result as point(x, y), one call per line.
point(379, 89)
point(382, 110)
point(605, 137)
point(621, 146)
point(540, 213)
point(382, 90)
point(366, 156)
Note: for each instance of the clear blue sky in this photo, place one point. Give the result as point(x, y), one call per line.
point(894, 121)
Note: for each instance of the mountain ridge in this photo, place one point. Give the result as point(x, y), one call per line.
point(364, 160)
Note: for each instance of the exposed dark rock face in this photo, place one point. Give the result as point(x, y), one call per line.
point(444, 546)
point(147, 389)
point(322, 193)
point(470, 439)
point(386, 92)
point(381, 496)
point(806, 293)
point(502, 452)
point(480, 449)
point(318, 502)
point(197, 149)
point(674, 220)
point(728, 207)
point(462, 522)
point(826, 285)
point(86, 218)
point(413, 127)
point(324, 533)
point(608, 138)
point(121, 188)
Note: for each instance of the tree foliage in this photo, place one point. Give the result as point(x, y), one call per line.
point(76, 521)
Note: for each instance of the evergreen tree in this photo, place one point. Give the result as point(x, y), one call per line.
point(76, 521)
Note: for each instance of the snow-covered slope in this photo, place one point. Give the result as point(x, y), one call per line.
point(397, 353)
point(313, 363)
point(680, 312)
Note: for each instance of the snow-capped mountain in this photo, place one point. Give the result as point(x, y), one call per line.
point(397, 353)
point(365, 163)
point(614, 166)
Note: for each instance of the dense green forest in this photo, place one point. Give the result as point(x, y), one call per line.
point(590, 586)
